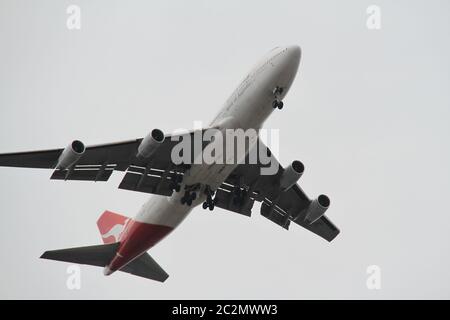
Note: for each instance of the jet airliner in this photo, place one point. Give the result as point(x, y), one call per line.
point(177, 187)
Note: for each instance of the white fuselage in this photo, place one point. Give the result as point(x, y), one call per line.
point(247, 108)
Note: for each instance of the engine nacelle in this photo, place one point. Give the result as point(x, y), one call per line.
point(317, 208)
point(291, 175)
point(70, 155)
point(150, 143)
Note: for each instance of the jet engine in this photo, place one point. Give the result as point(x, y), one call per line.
point(150, 143)
point(317, 208)
point(70, 155)
point(291, 175)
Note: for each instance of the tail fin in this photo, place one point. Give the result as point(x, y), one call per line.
point(111, 225)
point(101, 255)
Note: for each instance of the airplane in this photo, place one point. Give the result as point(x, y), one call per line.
point(178, 187)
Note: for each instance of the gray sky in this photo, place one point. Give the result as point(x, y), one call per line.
point(368, 115)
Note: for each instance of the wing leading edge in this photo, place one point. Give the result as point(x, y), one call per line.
point(95, 164)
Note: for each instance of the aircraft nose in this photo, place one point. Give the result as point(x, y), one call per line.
point(294, 53)
point(290, 61)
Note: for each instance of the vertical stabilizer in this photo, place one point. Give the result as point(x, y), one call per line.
point(111, 226)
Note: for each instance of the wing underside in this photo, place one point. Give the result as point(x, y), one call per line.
point(247, 185)
point(157, 175)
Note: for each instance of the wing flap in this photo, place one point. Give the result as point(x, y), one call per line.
point(224, 199)
point(322, 227)
point(274, 214)
point(95, 173)
point(149, 181)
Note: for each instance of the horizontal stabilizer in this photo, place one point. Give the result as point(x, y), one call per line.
point(100, 255)
point(145, 266)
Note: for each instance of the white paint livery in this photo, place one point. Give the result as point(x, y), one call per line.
point(247, 108)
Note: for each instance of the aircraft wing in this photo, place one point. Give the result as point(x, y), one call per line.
point(155, 174)
point(96, 163)
point(281, 207)
point(152, 174)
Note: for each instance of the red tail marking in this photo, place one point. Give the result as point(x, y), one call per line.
point(111, 225)
point(138, 238)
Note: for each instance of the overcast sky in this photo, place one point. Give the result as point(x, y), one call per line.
point(368, 115)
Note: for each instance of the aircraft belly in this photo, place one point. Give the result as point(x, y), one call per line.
point(166, 211)
point(213, 175)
